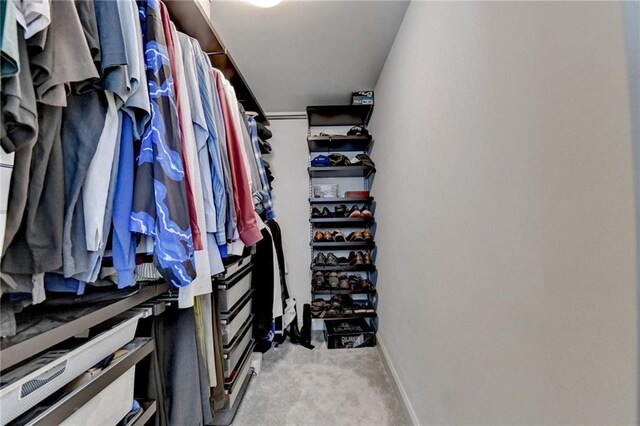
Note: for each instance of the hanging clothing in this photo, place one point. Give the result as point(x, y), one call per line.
point(19, 134)
point(265, 192)
point(160, 202)
point(176, 72)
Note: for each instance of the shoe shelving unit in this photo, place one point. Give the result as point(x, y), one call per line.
point(356, 178)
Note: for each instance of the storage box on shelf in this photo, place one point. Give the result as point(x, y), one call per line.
point(351, 302)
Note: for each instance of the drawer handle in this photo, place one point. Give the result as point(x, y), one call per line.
point(35, 384)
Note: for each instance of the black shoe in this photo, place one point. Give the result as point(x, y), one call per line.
point(358, 259)
point(326, 213)
point(320, 260)
point(340, 211)
point(315, 212)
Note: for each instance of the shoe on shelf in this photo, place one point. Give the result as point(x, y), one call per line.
point(318, 280)
point(366, 213)
point(315, 213)
point(367, 235)
point(358, 259)
point(332, 260)
point(328, 236)
point(346, 301)
point(320, 260)
point(354, 281)
point(365, 284)
point(354, 212)
point(326, 213)
point(333, 280)
point(367, 258)
point(344, 282)
point(318, 236)
point(338, 236)
point(355, 236)
point(340, 211)
point(335, 302)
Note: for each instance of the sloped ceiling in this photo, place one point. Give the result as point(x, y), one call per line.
point(301, 53)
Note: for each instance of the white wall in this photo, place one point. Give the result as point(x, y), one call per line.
point(290, 197)
point(506, 214)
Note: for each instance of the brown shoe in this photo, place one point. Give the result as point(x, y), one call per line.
point(318, 236)
point(367, 258)
point(367, 235)
point(328, 236)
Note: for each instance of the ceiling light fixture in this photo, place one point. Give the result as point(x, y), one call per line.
point(265, 3)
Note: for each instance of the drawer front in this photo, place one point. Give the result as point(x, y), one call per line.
point(234, 354)
point(233, 392)
point(234, 268)
point(231, 328)
point(231, 291)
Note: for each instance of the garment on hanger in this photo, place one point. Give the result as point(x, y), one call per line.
point(265, 191)
point(160, 205)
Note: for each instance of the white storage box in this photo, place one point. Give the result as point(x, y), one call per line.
point(109, 406)
point(329, 190)
point(28, 385)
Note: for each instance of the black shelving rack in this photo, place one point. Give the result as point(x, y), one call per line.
point(325, 142)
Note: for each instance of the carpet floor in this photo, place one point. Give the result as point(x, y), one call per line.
point(298, 386)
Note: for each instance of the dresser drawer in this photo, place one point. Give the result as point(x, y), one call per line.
point(231, 290)
point(232, 354)
point(233, 385)
point(233, 320)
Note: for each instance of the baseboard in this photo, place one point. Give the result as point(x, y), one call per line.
point(410, 414)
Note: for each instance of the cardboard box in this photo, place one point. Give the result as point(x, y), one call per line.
point(364, 97)
point(349, 334)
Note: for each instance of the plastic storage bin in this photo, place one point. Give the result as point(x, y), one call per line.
point(28, 385)
point(109, 406)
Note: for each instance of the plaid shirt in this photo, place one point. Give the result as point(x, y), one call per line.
point(267, 200)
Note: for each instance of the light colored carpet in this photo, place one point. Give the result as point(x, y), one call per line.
point(298, 386)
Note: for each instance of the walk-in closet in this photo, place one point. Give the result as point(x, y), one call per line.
point(319, 212)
